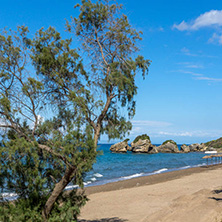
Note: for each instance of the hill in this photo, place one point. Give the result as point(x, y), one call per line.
point(215, 143)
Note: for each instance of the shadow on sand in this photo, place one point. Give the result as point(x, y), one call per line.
point(214, 198)
point(114, 219)
point(217, 192)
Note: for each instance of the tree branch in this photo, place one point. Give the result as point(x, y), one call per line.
point(100, 46)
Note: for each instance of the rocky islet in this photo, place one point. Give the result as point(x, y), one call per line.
point(142, 144)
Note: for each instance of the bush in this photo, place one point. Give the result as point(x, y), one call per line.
point(142, 137)
point(169, 141)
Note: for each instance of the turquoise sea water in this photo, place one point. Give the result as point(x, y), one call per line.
point(112, 167)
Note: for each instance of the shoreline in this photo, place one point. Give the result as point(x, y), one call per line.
point(193, 194)
point(149, 179)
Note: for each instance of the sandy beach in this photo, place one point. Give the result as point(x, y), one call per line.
point(190, 195)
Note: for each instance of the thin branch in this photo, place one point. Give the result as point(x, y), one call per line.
point(6, 126)
point(50, 150)
point(100, 46)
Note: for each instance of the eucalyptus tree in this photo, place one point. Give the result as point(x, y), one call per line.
point(109, 66)
point(39, 156)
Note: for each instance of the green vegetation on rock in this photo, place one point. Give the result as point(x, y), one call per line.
point(142, 137)
point(126, 140)
point(169, 141)
point(215, 143)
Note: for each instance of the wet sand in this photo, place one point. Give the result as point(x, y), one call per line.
point(193, 194)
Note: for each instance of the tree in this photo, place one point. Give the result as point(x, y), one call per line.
point(109, 69)
point(38, 157)
point(80, 97)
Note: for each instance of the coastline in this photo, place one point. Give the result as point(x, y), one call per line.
point(111, 167)
point(180, 196)
point(149, 180)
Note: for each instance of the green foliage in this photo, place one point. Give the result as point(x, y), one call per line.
point(54, 57)
point(5, 104)
point(142, 137)
point(98, 93)
point(36, 154)
point(126, 140)
point(114, 125)
point(32, 174)
point(110, 41)
point(27, 211)
point(86, 97)
point(169, 141)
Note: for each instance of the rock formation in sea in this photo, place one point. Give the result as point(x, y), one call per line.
point(184, 148)
point(169, 146)
point(142, 144)
point(196, 147)
point(129, 148)
point(120, 147)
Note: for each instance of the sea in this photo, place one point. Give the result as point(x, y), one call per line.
point(112, 167)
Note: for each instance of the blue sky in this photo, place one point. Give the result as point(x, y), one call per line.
point(181, 97)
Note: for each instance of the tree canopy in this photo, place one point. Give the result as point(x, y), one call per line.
point(39, 157)
point(56, 101)
point(109, 70)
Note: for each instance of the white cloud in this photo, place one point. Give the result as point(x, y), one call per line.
point(176, 134)
point(199, 76)
point(208, 79)
point(191, 65)
point(198, 133)
point(160, 130)
point(212, 18)
point(187, 52)
point(187, 72)
point(216, 38)
point(150, 123)
point(182, 26)
point(190, 72)
point(159, 29)
point(145, 126)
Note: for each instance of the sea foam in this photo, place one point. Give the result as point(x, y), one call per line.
point(70, 187)
point(98, 175)
point(87, 183)
point(160, 171)
point(185, 167)
point(132, 176)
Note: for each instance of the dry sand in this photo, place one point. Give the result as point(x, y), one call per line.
point(191, 195)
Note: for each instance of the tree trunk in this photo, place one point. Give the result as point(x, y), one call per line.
point(97, 127)
point(96, 137)
point(59, 187)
